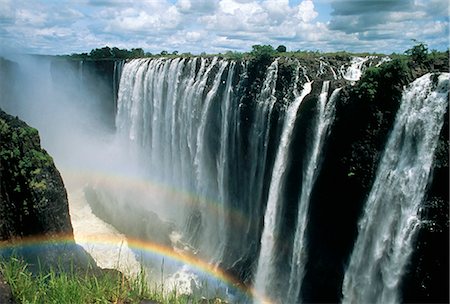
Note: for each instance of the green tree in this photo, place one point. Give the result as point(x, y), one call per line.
point(137, 53)
point(281, 49)
point(418, 53)
point(263, 52)
point(104, 52)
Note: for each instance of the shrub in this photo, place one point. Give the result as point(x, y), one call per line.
point(418, 53)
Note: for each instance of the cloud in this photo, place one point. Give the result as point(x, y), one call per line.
point(391, 20)
point(197, 6)
point(219, 25)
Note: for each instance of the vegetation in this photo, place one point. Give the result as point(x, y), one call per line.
point(281, 49)
point(418, 53)
point(417, 56)
point(388, 77)
point(111, 53)
point(72, 287)
point(29, 159)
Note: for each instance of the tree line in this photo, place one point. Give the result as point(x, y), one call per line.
point(419, 53)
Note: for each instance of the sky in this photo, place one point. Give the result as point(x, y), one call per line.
point(217, 26)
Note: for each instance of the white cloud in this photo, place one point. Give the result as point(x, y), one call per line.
point(221, 25)
point(306, 12)
point(184, 5)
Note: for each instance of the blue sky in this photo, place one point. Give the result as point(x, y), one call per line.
point(213, 26)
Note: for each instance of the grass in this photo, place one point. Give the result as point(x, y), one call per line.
point(60, 287)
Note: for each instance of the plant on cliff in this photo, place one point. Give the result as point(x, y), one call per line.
point(281, 49)
point(262, 52)
point(418, 53)
point(382, 81)
point(32, 195)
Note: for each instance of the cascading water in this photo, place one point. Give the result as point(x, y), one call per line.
point(325, 116)
point(117, 73)
point(175, 134)
point(355, 70)
point(222, 162)
point(265, 271)
point(192, 129)
point(390, 219)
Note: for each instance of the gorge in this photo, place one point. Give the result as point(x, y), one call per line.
point(320, 179)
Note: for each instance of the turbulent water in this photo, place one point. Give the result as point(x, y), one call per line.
point(189, 124)
point(325, 116)
point(265, 270)
point(390, 219)
point(219, 159)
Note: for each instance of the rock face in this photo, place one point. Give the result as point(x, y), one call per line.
point(97, 79)
point(5, 292)
point(33, 203)
point(350, 159)
point(427, 279)
point(33, 200)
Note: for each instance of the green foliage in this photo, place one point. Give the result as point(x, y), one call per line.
point(387, 78)
point(234, 55)
point(262, 52)
point(102, 53)
point(136, 53)
point(106, 52)
point(72, 287)
point(281, 49)
point(418, 53)
point(23, 161)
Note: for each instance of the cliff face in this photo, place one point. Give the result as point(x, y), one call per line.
point(33, 200)
point(95, 81)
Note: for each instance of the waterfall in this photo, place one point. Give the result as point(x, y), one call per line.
point(265, 270)
point(325, 116)
point(117, 73)
point(165, 109)
point(207, 185)
point(210, 128)
point(390, 218)
point(354, 71)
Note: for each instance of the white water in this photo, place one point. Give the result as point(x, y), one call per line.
point(166, 117)
point(390, 218)
point(108, 247)
point(265, 270)
point(325, 116)
point(354, 71)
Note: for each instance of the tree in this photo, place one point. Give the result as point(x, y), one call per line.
point(281, 49)
point(137, 53)
point(120, 53)
point(418, 53)
point(262, 52)
point(104, 52)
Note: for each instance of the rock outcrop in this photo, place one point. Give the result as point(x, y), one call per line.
point(33, 205)
point(33, 200)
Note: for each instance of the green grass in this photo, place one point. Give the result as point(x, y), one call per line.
point(60, 287)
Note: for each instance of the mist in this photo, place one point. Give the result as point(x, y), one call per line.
point(105, 177)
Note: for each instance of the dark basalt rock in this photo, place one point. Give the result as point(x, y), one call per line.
point(6, 296)
point(427, 278)
point(93, 78)
point(350, 159)
point(141, 224)
point(33, 200)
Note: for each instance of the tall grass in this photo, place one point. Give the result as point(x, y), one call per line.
point(74, 287)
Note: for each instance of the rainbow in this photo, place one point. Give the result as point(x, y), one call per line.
point(155, 190)
point(139, 245)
